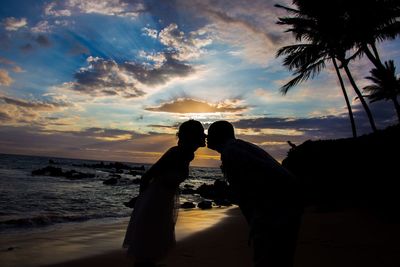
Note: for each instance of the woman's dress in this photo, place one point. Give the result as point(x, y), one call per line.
point(151, 230)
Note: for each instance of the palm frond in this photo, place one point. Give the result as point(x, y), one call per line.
point(303, 74)
point(288, 9)
point(385, 83)
point(300, 55)
point(388, 32)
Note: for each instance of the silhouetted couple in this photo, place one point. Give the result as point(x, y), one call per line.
point(268, 195)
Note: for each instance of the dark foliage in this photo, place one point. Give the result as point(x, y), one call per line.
point(361, 172)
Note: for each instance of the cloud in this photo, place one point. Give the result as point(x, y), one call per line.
point(160, 74)
point(38, 105)
point(50, 10)
point(5, 78)
point(107, 77)
point(186, 105)
point(272, 133)
point(106, 134)
point(91, 143)
point(254, 35)
point(157, 58)
point(4, 117)
point(43, 41)
point(5, 61)
point(78, 49)
point(321, 127)
point(170, 129)
point(184, 47)
point(27, 47)
point(17, 69)
point(21, 111)
point(252, 45)
point(14, 24)
point(10, 65)
point(328, 126)
point(150, 32)
point(121, 8)
point(42, 27)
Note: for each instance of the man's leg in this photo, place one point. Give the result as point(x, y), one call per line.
point(275, 245)
point(144, 264)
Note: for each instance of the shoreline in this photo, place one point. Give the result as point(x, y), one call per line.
point(90, 239)
point(222, 244)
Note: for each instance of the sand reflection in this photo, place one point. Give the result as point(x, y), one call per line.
point(192, 221)
point(74, 241)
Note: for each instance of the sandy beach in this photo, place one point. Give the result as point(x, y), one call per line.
point(218, 237)
point(96, 243)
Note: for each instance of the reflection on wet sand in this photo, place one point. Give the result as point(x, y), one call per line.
point(74, 241)
point(192, 221)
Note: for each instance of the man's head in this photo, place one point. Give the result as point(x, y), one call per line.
point(218, 133)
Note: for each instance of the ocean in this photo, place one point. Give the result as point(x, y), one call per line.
point(29, 203)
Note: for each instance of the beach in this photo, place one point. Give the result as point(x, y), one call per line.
point(97, 244)
point(218, 237)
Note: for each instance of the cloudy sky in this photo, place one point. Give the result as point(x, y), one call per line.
point(112, 79)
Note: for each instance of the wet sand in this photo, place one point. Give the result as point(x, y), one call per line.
point(347, 238)
point(73, 242)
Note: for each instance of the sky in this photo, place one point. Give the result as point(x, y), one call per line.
point(113, 79)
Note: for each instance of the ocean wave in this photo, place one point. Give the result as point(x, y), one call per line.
point(46, 220)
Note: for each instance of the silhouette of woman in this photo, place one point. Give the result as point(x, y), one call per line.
point(151, 230)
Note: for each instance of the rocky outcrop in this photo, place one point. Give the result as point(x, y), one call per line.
point(58, 172)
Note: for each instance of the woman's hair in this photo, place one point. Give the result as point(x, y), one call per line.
point(189, 131)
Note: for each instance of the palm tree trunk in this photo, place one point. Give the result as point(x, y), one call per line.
point(397, 106)
point(376, 52)
point(346, 97)
point(360, 96)
point(375, 60)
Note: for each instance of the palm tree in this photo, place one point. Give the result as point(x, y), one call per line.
point(386, 85)
point(324, 27)
point(371, 21)
point(307, 60)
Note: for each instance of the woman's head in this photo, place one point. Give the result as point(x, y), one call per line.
point(191, 134)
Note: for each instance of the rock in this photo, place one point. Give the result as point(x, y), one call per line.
point(222, 202)
point(135, 172)
point(206, 191)
point(49, 171)
point(135, 181)
point(141, 168)
point(218, 190)
point(131, 203)
point(111, 181)
point(58, 172)
point(204, 205)
point(188, 191)
point(74, 175)
point(188, 205)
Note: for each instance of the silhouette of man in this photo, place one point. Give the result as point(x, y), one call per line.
point(268, 195)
